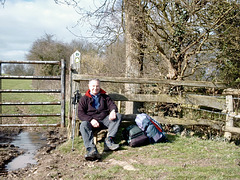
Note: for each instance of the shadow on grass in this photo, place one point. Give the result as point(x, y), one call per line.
point(105, 154)
point(171, 137)
point(124, 146)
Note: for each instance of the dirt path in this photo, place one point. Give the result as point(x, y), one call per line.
point(53, 164)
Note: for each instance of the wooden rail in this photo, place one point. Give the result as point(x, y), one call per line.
point(193, 99)
point(83, 77)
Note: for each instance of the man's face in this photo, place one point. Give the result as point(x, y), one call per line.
point(94, 87)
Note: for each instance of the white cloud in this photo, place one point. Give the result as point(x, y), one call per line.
point(23, 22)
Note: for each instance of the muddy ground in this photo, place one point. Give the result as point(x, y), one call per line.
point(7, 150)
point(54, 137)
point(51, 163)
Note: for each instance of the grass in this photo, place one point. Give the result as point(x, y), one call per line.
point(182, 158)
point(29, 97)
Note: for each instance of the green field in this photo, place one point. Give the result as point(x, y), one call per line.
point(29, 97)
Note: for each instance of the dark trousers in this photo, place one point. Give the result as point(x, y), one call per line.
point(87, 130)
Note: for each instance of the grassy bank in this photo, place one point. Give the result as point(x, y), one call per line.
point(29, 97)
point(182, 158)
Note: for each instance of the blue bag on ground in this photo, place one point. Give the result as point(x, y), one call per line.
point(151, 127)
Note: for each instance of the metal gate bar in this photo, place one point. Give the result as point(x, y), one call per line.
point(31, 62)
point(29, 125)
point(28, 115)
point(31, 103)
point(32, 77)
point(62, 64)
point(29, 91)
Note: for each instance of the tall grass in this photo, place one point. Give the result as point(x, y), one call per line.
point(29, 97)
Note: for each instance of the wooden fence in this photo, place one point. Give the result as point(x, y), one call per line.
point(223, 103)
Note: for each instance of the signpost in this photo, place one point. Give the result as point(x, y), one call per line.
point(74, 68)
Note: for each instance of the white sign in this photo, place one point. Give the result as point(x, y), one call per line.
point(75, 60)
point(77, 56)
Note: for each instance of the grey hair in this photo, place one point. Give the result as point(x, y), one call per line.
point(94, 80)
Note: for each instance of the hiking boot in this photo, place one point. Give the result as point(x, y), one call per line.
point(110, 145)
point(92, 154)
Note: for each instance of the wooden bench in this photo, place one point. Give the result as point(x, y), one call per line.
point(103, 133)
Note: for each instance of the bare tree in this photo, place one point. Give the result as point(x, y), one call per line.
point(18, 69)
point(48, 49)
point(178, 36)
point(114, 58)
point(178, 31)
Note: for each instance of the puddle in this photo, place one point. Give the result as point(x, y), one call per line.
point(30, 142)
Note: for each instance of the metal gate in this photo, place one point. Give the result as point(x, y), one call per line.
point(61, 103)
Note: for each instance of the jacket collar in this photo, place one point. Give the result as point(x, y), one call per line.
point(89, 95)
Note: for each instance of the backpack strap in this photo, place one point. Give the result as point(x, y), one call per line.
point(156, 125)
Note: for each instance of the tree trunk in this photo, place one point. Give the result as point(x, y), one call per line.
point(134, 50)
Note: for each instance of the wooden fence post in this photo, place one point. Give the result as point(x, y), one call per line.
point(229, 119)
point(132, 107)
point(74, 68)
point(119, 103)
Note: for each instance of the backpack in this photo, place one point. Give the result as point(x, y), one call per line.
point(134, 136)
point(151, 127)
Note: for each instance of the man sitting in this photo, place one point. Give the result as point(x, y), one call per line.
point(97, 110)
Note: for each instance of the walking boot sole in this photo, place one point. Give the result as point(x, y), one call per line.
point(92, 158)
point(106, 148)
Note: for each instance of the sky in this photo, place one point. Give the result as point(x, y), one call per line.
point(25, 21)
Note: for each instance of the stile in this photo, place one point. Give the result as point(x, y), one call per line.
point(223, 105)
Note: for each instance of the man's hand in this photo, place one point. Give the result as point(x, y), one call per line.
point(94, 123)
point(112, 115)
